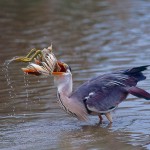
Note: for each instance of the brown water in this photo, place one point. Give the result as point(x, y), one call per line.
point(91, 36)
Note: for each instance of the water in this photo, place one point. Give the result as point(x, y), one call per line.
point(93, 37)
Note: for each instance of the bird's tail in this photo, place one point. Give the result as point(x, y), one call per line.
point(139, 93)
point(137, 72)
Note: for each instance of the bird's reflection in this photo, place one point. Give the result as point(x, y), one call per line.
point(93, 136)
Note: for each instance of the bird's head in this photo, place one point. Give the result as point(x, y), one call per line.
point(61, 69)
point(63, 77)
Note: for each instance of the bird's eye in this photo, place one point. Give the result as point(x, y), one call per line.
point(65, 67)
point(69, 68)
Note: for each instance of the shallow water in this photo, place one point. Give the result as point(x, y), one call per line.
point(93, 37)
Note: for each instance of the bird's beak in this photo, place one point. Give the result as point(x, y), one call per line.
point(58, 73)
point(60, 69)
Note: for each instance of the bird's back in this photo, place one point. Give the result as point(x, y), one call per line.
point(105, 92)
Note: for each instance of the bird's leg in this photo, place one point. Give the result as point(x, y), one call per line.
point(100, 119)
point(109, 117)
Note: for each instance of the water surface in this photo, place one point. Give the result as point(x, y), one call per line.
point(93, 37)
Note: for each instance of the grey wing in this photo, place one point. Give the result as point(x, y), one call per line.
point(105, 100)
point(104, 93)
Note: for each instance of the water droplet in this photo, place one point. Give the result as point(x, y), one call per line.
point(11, 91)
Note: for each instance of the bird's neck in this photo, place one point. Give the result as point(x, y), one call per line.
point(65, 87)
point(70, 105)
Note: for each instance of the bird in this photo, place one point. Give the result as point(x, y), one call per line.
point(99, 95)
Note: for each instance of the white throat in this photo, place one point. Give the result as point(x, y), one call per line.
point(64, 83)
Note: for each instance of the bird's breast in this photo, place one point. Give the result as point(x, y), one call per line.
point(61, 104)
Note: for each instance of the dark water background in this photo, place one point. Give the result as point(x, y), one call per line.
point(91, 36)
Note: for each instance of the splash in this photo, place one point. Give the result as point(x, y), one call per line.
point(7, 62)
point(26, 86)
point(11, 91)
point(5, 69)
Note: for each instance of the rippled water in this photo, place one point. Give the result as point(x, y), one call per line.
point(93, 37)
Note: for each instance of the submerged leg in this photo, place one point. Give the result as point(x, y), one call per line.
point(109, 117)
point(100, 119)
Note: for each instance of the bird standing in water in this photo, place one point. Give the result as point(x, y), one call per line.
point(99, 95)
